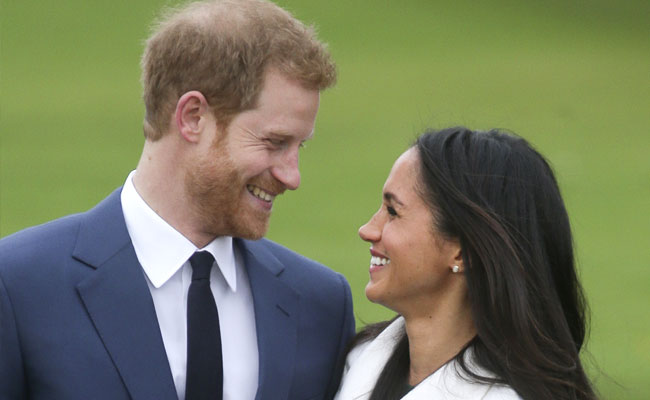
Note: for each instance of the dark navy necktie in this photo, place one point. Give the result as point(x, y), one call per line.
point(204, 363)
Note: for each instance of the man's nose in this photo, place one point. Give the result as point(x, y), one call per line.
point(287, 172)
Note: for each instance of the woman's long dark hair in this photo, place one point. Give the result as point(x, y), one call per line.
point(498, 196)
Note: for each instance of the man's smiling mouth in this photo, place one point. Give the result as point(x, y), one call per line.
point(260, 193)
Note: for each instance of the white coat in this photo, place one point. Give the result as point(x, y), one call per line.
point(366, 361)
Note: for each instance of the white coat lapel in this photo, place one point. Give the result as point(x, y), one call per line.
point(365, 363)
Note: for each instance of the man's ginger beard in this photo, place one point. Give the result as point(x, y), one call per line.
point(217, 192)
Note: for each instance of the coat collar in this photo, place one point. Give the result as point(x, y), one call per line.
point(366, 362)
point(276, 315)
point(118, 301)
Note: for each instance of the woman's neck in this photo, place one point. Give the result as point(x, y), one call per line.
point(436, 337)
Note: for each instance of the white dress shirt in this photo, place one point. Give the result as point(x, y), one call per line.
point(163, 253)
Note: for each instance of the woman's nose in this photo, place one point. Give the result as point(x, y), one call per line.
point(370, 231)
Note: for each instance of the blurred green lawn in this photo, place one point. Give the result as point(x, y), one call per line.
point(573, 77)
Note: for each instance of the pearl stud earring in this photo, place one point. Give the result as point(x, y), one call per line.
point(455, 269)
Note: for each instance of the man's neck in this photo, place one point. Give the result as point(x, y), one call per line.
point(160, 181)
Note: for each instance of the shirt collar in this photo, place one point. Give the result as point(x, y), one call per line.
point(161, 249)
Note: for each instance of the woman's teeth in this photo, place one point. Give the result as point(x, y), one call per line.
point(379, 260)
point(259, 193)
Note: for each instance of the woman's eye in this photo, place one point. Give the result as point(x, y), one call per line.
point(391, 211)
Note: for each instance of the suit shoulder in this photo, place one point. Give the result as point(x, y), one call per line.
point(307, 276)
point(38, 244)
point(48, 232)
point(297, 261)
point(42, 243)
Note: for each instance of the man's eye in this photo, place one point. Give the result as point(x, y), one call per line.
point(275, 142)
point(391, 211)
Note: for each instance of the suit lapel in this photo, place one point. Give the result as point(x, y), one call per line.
point(118, 301)
point(276, 315)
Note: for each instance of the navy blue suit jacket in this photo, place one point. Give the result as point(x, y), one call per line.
point(77, 320)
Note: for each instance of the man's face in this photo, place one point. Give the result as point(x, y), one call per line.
point(233, 184)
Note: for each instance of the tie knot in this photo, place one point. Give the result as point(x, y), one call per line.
point(201, 264)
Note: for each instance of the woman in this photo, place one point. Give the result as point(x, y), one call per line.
point(472, 248)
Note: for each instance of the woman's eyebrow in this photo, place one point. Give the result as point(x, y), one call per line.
point(391, 197)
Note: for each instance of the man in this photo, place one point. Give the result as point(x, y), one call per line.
point(108, 304)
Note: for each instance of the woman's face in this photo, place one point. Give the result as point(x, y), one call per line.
point(410, 265)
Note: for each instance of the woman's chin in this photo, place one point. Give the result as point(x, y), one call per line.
point(371, 292)
point(376, 294)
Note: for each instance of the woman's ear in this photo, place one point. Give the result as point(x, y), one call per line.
point(192, 109)
point(456, 265)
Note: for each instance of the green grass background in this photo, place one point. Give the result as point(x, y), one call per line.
point(573, 77)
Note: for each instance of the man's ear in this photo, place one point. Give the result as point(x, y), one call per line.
point(192, 109)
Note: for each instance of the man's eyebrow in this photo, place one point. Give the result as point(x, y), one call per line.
point(391, 197)
point(284, 134)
